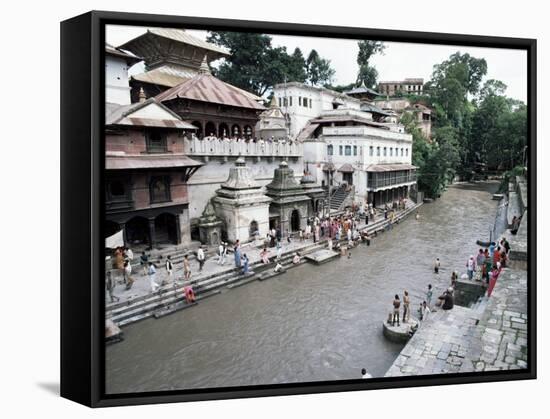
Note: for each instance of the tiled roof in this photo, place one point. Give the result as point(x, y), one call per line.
point(122, 115)
point(205, 87)
point(124, 162)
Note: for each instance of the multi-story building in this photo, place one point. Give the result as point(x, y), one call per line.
point(414, 86)
point(347, 147)
point(301, 103)
point(171, 56)
point(146, 169)
point(399, 106)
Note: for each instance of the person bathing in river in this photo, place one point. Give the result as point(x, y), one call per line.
point(437, 265)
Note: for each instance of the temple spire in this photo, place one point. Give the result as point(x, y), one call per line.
point(204, 68)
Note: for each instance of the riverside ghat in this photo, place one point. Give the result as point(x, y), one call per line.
point(315, 322)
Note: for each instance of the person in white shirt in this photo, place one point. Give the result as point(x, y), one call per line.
point(129, 254)
point(152, 272)
point(222, 250)
point(424, 310)
point(201, 258)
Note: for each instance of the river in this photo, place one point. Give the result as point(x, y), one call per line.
point(312, 323)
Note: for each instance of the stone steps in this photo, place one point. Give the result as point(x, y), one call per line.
point(144, 306)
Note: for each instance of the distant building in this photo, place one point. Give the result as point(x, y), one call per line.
point(408, 86)
point(301, 102)
point(398, 106)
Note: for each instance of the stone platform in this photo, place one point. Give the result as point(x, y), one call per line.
point(488, 337)
point(322, 256)
point(401, 333)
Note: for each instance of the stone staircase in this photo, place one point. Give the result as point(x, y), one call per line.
point(338, 199)
point(123, 313)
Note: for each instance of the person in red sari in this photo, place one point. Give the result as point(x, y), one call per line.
point(495, 272)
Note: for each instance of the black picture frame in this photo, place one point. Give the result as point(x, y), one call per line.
point(82, 204)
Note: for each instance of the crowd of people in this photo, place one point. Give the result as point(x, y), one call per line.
point(486, 267)
point(341, 232)
point(243, 139)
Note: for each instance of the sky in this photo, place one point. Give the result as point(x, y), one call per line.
point(399, 60)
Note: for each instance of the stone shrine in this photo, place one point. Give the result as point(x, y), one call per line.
point(241, 204)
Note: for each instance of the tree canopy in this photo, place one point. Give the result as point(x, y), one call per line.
point(256, 65)
point(367, 73)
point(475, 128)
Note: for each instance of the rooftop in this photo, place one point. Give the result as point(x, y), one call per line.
point(205, 87)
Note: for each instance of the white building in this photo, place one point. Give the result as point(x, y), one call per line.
point(301, 103)
point(117, 63)
point(345, 147)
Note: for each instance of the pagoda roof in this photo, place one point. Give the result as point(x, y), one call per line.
point(205, 87)
point(180, 36)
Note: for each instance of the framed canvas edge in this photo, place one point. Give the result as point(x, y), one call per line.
point(91, 392)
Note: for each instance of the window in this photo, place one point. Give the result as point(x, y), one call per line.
point(117, 190)
point(156, 142)
point(391, 151)
point(371, 151)
point(401, 152)
point(348, 150)
point(285, 101)
point(385, 152)
point(330, 150)
point(280, 103)
point(355, 150)
point(340, 149)
point(305, 102)
point(299, 100)
point(290, 99)
point(159, 189)
point(407, 152)
point(310, 102)
point(378, 151)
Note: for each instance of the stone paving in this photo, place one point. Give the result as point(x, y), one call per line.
point(492, 335)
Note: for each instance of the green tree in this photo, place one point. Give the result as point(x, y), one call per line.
point(256, 65)
point(319, 71)
point(368, 74)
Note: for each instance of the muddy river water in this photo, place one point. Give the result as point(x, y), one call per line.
point(312, 323)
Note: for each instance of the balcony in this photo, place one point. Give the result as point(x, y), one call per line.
point(362, 131)
point(215, 147)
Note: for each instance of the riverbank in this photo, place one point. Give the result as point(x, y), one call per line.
point(490, 334)
point(140, 303)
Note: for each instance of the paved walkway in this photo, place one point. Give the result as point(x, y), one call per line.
point(486, 338)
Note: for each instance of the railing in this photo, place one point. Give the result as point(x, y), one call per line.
point(366, 131)
point(389, 181)
point(215, 147)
